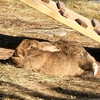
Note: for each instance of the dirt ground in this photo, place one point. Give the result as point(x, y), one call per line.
point(19, 21)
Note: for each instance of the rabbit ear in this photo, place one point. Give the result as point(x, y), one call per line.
point(95, 68)
point(51, 48)
point(46, 46)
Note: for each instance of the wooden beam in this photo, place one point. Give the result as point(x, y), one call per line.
point(54, 13)
point(46, 1)
point(95, 23)
point(81, 22)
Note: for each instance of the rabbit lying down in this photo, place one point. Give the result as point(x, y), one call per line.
point(60, 58)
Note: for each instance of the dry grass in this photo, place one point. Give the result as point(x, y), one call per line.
point(87, 9)
point(19, 21)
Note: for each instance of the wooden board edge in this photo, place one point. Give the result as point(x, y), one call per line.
point(42, 8)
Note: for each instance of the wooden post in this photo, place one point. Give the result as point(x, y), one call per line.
point(51, 10)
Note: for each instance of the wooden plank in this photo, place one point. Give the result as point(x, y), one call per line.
point(39, 5)
point(81, 22)
point(64, 14)
point(73, 15)
point(95, 23)
point(51, 5)
point(97, 30)
point(46, 1)
point(60, 6)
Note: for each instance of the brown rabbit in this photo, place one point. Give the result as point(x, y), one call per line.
point(68, 58)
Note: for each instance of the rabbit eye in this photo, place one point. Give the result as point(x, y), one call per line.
point(31, 47)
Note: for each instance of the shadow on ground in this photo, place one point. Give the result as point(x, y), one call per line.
point(21, 93)
point(78, 94)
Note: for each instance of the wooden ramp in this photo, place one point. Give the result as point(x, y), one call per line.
point(66, 16)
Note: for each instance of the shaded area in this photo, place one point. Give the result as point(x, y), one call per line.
point(18, 92)
point(95, 52)
point(21, 93)
point(9, 96)
point(78, 94)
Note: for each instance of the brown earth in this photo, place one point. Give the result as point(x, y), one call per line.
point(19, 21)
